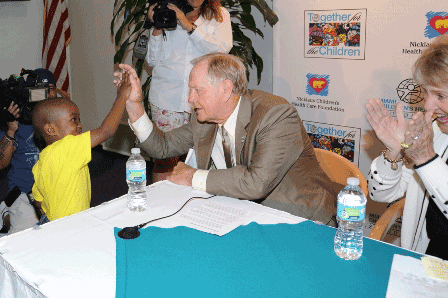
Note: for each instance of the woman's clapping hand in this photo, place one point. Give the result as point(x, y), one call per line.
point(390, 131)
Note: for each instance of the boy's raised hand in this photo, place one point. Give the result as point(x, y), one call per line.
point(125, 82)
point(124, 86)
point(134, 104)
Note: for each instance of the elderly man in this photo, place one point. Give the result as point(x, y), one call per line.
point(248, 145)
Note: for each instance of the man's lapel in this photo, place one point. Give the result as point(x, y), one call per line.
point(243, 119)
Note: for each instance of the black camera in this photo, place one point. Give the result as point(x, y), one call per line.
point(24, 93)
point(165, 18)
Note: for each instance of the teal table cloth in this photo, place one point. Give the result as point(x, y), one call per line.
point(279, 260)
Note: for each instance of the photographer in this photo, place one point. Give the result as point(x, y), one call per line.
point(205, 29)
point(17, 148)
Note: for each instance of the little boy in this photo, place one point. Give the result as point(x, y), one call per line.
point(62, 179)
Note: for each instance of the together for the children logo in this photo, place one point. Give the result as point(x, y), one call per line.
point(335, 34)
point(339, 139)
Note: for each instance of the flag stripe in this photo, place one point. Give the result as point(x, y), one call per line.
point(57, 36)
point(49, 14)
point(60, 64)
point(66, 84)
point(54, 35)
point(68, 36)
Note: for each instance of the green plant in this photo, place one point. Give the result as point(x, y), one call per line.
point(132, 14)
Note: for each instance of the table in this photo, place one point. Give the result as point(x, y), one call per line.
point(76, 256)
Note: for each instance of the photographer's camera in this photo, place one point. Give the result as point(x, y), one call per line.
point(24, 93)
point(165, 18)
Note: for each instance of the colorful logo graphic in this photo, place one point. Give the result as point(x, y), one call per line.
point(335, 34)
point(342, 140)
point(317, 84)
point(437, 24)
point(343, 145)
point(409, 91)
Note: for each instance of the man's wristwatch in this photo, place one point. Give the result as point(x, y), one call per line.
point(192, 29)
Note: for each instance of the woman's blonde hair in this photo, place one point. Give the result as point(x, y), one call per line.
point(431, 68)
point(211, 9)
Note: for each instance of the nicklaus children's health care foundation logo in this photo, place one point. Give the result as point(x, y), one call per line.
point(437, 24)
point(317, 84)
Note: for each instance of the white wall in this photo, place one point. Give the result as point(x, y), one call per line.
point(20, 36)
point(264, 48)
point(91, 59)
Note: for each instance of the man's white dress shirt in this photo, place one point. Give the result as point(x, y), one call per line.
point(143, 128)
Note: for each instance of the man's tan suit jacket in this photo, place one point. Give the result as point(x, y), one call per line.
point(275, 161)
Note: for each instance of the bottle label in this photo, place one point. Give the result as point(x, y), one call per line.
point(352, 213)
point(136, 175)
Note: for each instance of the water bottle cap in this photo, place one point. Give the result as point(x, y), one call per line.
point(135, 150)
point(352, 181)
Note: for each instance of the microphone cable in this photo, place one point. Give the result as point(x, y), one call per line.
point(133, 232)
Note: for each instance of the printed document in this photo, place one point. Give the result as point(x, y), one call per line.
point(408, 279)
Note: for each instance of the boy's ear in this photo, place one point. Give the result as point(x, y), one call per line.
point(49, 129)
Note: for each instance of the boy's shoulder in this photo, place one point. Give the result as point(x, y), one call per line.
point(67, 144)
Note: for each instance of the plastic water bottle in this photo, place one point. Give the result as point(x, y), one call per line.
point(136, 179)
point(350, 215)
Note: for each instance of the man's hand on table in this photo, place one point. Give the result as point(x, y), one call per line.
point(182, 174)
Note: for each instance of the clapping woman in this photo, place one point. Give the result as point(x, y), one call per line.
point(423, 142)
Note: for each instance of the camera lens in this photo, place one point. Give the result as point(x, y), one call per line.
point(164, 17)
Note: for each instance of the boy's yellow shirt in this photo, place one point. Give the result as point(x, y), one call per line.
point(62, 178)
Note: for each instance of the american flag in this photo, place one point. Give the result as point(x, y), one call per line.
point(57, 36)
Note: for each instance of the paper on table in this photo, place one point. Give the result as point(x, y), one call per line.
point(267, 218)
point(214, 218)
point(408, 279)
point(436, 268)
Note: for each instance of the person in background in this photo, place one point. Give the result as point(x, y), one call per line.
point(205, 29)
point(250, 145)
point(62, 179)
point(423, 143)
point(18, 150)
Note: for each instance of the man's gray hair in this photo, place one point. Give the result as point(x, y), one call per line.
point(225, 67)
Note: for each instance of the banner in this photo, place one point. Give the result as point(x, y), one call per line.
point(331, 57)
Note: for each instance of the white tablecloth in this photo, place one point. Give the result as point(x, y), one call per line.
point(75, 256)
